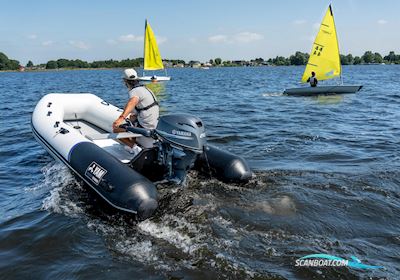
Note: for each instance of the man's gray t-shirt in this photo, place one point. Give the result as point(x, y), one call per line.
point(146, 118)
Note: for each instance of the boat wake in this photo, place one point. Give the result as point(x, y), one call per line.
point(214, 229)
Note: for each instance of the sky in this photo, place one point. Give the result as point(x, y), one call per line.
point(42, 30)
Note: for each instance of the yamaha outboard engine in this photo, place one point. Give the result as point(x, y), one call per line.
point(180, 146)
point(182, 138)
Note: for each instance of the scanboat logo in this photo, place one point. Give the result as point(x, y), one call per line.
point(319, 260)
point(95, 172)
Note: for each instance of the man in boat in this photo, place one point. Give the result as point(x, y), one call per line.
point(142, 108)
point(312, 80)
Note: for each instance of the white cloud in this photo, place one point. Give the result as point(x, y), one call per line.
point(382, 21)
point(47, 43)
point(247, 37)
point(79, 45)
point(299, 22)
point(316, 25)
point(111, 42)
point(32, 36)
point(242, 37)
point(218, 39)
point(130, 38)
point(161, 40)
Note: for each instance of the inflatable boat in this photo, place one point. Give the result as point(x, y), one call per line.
point(77, 130)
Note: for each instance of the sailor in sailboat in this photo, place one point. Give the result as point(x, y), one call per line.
point(324, 63)
point(142, 108)
point(312, 80)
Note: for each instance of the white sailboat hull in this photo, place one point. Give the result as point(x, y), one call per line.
point(322, 90)
point(159, 78)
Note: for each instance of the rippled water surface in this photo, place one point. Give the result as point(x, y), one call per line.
point(326, 180)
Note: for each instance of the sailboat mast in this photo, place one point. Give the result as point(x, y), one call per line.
point(337, 41)
point(144, 45)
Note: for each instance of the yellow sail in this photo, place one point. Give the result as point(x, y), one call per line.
point(152, 57)
point(324, 57)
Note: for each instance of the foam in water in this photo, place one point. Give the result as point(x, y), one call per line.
point(267, 94)
point(58, 178)
point(171, 229)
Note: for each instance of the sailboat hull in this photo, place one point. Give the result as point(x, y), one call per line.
point(159, 78)
point(322, 90)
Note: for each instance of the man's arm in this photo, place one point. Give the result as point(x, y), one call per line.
point(128, 108)
point(308, 80)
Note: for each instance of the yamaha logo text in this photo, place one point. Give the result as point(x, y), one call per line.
point(181, 133)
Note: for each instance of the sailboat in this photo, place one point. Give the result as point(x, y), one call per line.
point(324, 61)
point(152, 57)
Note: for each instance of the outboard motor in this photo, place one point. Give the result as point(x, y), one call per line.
point(180, 146)
point(182, 138)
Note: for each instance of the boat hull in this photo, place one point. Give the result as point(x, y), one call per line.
point(116, 183)
point(158, 79)
point(323, 90)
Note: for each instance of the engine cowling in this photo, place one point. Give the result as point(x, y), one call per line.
point(183, 130)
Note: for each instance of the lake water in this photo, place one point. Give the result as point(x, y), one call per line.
point(326, 180)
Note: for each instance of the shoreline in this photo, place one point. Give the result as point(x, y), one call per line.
point(115, 68)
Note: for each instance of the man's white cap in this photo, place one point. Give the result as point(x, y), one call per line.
point(130, 74)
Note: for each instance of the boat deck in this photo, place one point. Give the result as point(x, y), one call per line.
point(107, 141)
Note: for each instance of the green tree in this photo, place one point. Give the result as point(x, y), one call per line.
point(280, 60)
point(368, 57)
point(211, 61)
point(218, 61)
point(63, 63)
point(51, 64)
point(29, 64)
point(350, 59)
point(378, 58)
point(357, 60)
point(391, 57)
point(298, 58)
point(344, 60)
point(8, 64)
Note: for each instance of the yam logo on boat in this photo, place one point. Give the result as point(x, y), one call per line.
point(181, 133)
point(95, 172)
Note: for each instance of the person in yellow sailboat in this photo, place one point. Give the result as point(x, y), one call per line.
point(142, 108)
point(312, 80)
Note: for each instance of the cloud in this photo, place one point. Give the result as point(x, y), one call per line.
point(242, 37)
point(79, 45)
point(134, 38)
point(382, 21)
point(316, 25)
point(161, 40)
point(111, 42)
point(218, 39)
point(130, 38)
point(247, 37)
point(47, 43)
point(299, 21)
point(32, 37)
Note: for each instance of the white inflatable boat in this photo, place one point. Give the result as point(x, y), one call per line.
point(77, 129)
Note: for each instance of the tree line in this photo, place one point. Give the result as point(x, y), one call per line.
point(368, 57)
point(299, 58)
point(8, 64)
